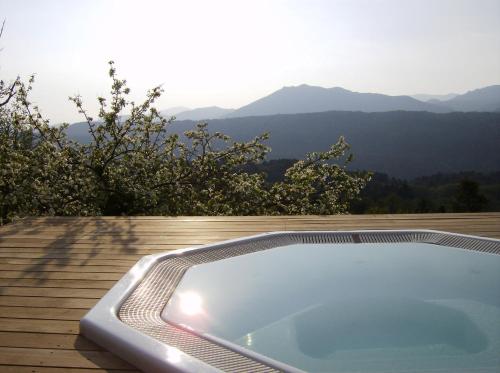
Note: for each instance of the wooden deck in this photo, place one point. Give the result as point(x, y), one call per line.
point(52, 270)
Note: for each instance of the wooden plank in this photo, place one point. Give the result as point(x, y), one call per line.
point(42, 313)
point(43, 267)
point(443, 222)
point(47, 340)
point(89, 248)
point(61, 254)
point(146, 230)
point(39, 326)
point(52, 292)
point(206, 232)
point(235, 225)
point(72, 284)
point(33, 369)
point(77, 224)
point(173, 219)
point(73, 262)
point(44, 276)
point(61, 358)
point(124, 239)
point(16, 301)
point(188, 240)
point(470, 229)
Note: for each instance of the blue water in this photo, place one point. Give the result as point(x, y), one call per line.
point(351, 307)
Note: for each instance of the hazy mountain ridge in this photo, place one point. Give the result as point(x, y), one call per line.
point(483, 99)
point(312, 99)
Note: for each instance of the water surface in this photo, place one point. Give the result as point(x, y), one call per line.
point(351, 307)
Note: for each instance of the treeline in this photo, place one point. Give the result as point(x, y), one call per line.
point(456, 192)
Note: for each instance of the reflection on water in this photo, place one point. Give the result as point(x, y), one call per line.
point(190, 303)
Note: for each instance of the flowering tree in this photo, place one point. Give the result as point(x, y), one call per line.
point(134, 165)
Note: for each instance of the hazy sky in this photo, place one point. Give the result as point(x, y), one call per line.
point(228, 53)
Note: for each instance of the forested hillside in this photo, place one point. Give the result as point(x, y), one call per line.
point(402, 144)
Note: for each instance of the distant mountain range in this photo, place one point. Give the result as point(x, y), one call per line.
point(397, 135)
point(312, 99)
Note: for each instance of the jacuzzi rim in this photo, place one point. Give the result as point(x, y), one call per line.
point(103, 325)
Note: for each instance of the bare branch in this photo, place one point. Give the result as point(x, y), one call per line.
point(9, 92)
point(1, 30)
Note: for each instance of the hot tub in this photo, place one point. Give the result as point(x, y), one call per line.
point(361, 301)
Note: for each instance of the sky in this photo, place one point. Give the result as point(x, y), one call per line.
point(231, 52)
